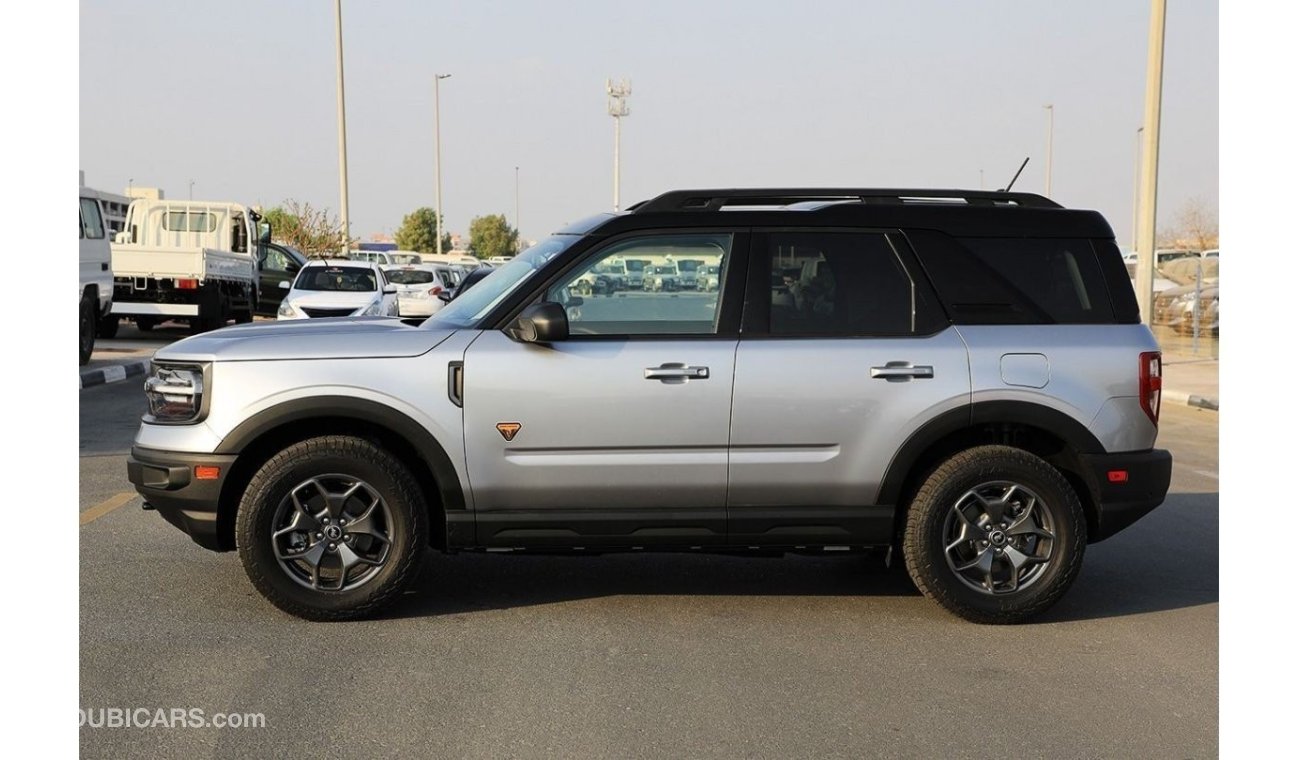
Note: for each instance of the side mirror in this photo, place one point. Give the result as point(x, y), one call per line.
point(264, 232)
point(446, 296)
point(284, 285)
point(545, 322)
point(389, 289)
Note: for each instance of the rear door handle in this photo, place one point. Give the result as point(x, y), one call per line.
point(676, 372)
point(902, 371)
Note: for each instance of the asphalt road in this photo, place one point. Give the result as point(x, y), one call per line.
point(651, 655)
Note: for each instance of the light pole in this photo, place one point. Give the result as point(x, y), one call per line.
point(1051, 119)
point(343, 130)
point(1137, 185)
point(437, 156)
point(517, 243)
point(191, 189)
point(1146, 268)
point(618, 93)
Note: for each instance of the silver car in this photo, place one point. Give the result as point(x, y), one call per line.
point(967, 386)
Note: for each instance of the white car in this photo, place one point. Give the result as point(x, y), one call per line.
point(339, 288)
point(418, 287)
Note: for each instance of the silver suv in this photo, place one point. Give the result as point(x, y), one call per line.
point(959, 377)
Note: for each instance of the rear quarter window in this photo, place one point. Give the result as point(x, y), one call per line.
point(1017, 280)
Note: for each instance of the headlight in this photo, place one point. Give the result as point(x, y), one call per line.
point(286, 309)
point(175, 393)
point(374, 309)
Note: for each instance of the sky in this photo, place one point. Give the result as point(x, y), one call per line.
point(239, 97)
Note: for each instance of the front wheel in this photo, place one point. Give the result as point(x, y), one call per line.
point(995, 535)
point(332, 528)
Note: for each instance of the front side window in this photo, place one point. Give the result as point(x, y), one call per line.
point(475, 304)
point(829, 284)
point(600, 300)
point(340, 278)
point(92, 226)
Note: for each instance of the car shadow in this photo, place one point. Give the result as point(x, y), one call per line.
point(1167, 561)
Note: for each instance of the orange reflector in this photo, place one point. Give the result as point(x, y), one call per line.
point(185, 284)
point(1114, 476)
point(206, 472)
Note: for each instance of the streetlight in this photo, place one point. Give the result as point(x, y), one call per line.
point(1051, 118)
point(343, 129)
point(618, 93)
point(437, 156)
point(191, 189)
point(1137, 186)
point(1146, 268)
point(517, 245)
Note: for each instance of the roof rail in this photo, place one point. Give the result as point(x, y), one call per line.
point(714, 200)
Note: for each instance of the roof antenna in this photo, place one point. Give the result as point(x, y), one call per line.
point(1013, 179)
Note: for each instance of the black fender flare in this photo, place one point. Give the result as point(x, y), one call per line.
point(363, 410)
point(1071, 431)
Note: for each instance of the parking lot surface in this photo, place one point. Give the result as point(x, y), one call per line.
point(649, 655)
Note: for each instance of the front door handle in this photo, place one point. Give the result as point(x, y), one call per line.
point(902, 371)
point(676, 373)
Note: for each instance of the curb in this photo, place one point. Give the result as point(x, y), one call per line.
point(1190, 399)
point(114, 373)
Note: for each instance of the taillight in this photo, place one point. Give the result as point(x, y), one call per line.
point(435, 290)
point(1149, 384)
point(184, 284)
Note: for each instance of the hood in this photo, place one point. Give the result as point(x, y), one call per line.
point(333, 299)
point(324, 338)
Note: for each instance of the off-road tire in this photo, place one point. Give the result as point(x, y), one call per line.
point(313, 457)
point(923, 539)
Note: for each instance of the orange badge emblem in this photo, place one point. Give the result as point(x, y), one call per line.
point(508, 430)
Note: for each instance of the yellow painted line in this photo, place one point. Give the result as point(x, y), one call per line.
point(104, 507)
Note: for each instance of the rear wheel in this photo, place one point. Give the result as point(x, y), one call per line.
point(86, 329)
point(332, 528)
point(995, 535)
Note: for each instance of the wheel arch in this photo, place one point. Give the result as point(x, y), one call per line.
point(1045, 432)
point(258, 438)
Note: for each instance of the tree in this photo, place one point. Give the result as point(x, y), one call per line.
point(1196, 226)
point(491, 236)
point(315, 232)
point(419, 232)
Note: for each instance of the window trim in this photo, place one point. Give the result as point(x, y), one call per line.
point(756, 323)
point(730, 292)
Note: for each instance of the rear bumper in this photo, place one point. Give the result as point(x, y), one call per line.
point(166, 481)
point(1120, 503)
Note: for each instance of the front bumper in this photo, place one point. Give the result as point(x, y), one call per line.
point(166, 480)
point(1122, 503)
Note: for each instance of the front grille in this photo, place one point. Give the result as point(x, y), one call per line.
point(326, 312)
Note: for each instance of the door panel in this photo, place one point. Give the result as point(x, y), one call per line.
point(812, 426)
point(846, 354)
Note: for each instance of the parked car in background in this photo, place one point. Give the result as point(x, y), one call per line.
point(1158, 285)
point(382, 258)
point(688, 271)
point(339, 288)
point(95, 264)
point(276, 263)
point(418, 287)
point(1212, 253)
point(663, 277)
point(467, 282)
point(194, 260)
point(1202, 311)
point(608, 278)
point(709, 277)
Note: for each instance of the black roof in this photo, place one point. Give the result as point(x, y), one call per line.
point(967, 213)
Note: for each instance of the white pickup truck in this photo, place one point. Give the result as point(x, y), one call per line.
point(193, 260)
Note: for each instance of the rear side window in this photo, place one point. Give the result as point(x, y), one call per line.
point(835, 284)
point(1016, 280)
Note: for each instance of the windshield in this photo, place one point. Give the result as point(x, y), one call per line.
point(661, 269)
point(689, 265)
point(636, 265)
point(474, 304)
point(409, 276)
point(607, 268)
point(355, 279)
